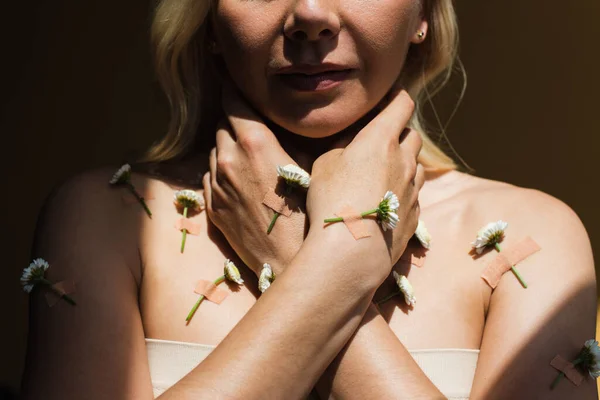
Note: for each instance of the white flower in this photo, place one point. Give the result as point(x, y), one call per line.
point(423, 235)
point(122, 175)
point(266, 277)
point(406, 289)
point(33, 274)
point(232, 273)
point(386, 212)
point(190, 199)
point(294, 175)
point(592, 357)
point(489, 235)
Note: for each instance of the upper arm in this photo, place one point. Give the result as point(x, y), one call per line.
point(556, 314)
point(95, 349)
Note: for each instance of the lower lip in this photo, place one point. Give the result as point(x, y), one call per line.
point(316, 82)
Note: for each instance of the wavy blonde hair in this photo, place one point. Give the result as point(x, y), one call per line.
point(187, 75)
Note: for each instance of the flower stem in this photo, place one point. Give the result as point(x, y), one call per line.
point(59, 293)
point(139, 198)
point(556, 380)
point(340, 219)
point(513, 269)
point(272, 224)
point(193, 310)
point(184, 231)
point(388, 297)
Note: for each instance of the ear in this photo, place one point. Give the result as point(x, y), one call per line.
point(421, 32)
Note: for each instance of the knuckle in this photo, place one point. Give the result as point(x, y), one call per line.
point(225, 164)
point(252, 141)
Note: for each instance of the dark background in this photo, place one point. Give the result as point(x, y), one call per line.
point(78, 92)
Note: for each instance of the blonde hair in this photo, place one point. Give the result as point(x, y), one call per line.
point(187, 75)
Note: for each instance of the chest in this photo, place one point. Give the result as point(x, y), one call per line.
point(451, 297)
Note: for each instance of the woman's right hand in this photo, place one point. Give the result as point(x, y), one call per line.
point(382, 157)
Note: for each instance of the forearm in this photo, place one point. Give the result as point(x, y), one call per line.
point(289, 337)
point(375, 364)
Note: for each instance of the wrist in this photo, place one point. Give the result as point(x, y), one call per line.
point(366, 260)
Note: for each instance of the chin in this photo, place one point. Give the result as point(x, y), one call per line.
point(319, 120)
point(316, 126)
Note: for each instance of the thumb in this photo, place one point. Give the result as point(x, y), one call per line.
point(398, 108)
point(246, 123)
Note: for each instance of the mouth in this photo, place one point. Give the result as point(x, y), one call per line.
point(314, 78)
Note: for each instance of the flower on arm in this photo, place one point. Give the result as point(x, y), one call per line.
point(187, 200)
point(267, 276)
point(123, 178)
point(34, 276)
point(404, 288)
point(386, 212)
point(588, 359)
point(294, 177)
point(490, 236)
point(231, 273)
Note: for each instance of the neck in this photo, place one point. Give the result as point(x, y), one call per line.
point(305, 150)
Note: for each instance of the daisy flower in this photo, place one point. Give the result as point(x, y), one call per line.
point(423, 235)
point(231, 273)
point(34, 275)
point(588, 359)
point(294, 177)
point(404, 288)
point(491, 235)
point(187, 200)
point(123, 178)
point(386, 212)
point(267, 276)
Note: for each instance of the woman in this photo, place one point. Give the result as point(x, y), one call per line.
point(327, 85)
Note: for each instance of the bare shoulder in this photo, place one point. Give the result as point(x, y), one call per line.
point(88, 232)
point(526, 328)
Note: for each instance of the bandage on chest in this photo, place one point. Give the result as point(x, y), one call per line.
point(277, 203)
point(189, 226)
point(211, 291)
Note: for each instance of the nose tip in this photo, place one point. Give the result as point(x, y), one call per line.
point(312, 20)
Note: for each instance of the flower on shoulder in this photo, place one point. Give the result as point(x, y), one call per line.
point(423, 235)
point(123, 177)
point(489, 235)
point(35, 275)
point(405, 288)
point(189, 199)
point(294, 176)
point(232, 273)
point(267, 276)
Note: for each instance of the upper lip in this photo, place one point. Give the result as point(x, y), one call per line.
point(311, 69)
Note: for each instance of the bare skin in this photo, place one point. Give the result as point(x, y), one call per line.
point(134, 283)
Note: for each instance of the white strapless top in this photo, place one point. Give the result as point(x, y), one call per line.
point(451, 370)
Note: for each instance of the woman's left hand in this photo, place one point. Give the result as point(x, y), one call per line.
point(242, 169)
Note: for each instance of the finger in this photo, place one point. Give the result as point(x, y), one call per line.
point(391, 121)
point(247, 126)
point(212, 165)
point(225, 139)
point(419, 180)
point(207, 192)
point(411, 142)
